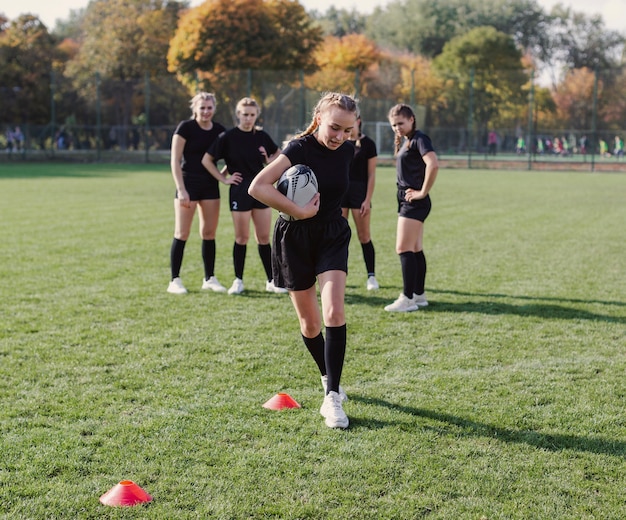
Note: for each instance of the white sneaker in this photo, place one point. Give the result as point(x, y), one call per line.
point(342, 394)
point(236, 287)
point(420, 300)
point(372, 284)
point(402, 304)
point(176, 286)
point(270, 287)
point(332, 411)
point(213, 284)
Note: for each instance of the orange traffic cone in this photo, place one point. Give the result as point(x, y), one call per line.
point(281, 401)
point(126, 493)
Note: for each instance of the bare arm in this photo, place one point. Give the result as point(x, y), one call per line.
point(176, 157)
point(262, 189)
point(209, 163)
point(371, 181)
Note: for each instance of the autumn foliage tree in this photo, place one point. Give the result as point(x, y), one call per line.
point(220, 36)
point(344, 64)
point(573, 98)
point(122, 41)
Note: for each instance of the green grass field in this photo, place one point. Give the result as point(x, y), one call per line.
point(504, 399)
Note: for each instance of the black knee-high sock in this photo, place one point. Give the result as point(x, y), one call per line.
point(369, 255)
point(334, 354)
point(265, 252)
point(176, 256)
point(239, 259)
point(420, 275)
point(208, 257)
point(316, 348)
point(409, 270)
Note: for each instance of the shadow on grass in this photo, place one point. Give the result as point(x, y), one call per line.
point(493, 307)
point(525, 298)
point(550, 442)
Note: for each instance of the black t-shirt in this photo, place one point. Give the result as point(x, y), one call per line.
point(331, 167)
point(362, 155)
point(197, 142)
point(240, 151)
point(410, 167)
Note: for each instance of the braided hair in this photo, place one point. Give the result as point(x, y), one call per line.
point(405, 111)
point(328, 100)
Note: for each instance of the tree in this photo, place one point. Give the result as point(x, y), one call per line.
point(573, 98)
point(419, 85)
point(122, 41)
point(578, 40)
point(27, 52)
point(344, 63)
point(340, 22)
point(224, 35)
point(486, 64)
point(424, 27)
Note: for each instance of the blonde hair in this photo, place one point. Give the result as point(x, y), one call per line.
point(199, 98)
point(329, 100)
point(405, 111)
point(248, 102)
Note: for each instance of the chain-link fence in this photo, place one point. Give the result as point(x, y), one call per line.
point(134, 121)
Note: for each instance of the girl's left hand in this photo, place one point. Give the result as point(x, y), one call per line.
point(410, 195)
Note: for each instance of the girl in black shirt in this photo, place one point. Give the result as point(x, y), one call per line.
point(416, 171)
point(195, 188)
point(315, 247)
point(245, 150)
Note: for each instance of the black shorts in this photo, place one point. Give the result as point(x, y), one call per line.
point(201, 186)
point(302, 250)
point(416, 210)
point(240, 200)
point(355, 195)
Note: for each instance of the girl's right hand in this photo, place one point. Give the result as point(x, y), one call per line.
point(183, 198)
point(311, 208)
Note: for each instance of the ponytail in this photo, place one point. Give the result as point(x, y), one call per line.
point(405, 111)
point(328, 100)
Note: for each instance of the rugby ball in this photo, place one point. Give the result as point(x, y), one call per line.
point(298, 184)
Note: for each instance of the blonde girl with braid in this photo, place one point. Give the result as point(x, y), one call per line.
point(314, 248)
point(245, 149)
point(416, 170)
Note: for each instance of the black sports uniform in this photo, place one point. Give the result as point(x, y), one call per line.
point(240, 151)
point(357, 189)
point(410, 173)
point(199, 183)
point(305, 248)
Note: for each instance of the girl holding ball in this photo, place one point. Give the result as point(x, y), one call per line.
point(314, 248)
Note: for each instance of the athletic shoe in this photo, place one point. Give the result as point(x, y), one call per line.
point(420, 300)
point(213, 284)
point(372, 284)
point(342, 394)
point(332, 411)
point(176, 286)
point(270, 287)
point(402, 304)
point(236, 287)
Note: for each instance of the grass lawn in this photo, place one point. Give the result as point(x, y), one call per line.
point(504, 399)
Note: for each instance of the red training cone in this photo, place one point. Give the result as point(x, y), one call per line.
point(126, 493)
point(280, 401)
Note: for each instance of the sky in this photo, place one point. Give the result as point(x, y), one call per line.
point(613, 11)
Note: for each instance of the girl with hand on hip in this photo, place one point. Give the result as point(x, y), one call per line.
point(416, 170)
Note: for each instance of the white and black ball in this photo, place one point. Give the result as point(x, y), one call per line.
point(298, 184)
